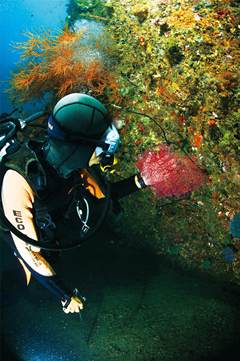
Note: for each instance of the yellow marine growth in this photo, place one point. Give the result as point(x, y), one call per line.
point(179, 65)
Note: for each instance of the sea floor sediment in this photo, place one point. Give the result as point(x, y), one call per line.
point(139, 308)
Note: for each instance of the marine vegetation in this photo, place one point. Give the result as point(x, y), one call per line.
point(173, 78)
point(54, 65)
point(178, 63)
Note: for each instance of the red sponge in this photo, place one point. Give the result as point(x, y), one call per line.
point(168, 173)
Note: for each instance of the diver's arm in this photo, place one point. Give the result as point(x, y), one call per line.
point(17, 200)
point(118, 189)
point(126, 186)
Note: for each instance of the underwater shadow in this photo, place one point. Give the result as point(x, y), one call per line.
point(230, 353)
point(6, 353)
point(13, 280)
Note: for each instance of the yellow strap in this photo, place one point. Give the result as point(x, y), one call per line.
point(110, 168)
point(91, 185)
point(26, 270)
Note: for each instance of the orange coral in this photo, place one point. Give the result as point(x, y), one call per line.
point(50, 66)
point(67, 37)
point(92, 72)
point(197, 140)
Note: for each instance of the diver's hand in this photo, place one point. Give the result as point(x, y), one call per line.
point(75, 305)
point(140, 181)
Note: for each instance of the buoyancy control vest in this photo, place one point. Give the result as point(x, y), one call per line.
point(26, 163)
point(47, 194)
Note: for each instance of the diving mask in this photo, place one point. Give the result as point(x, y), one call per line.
point(105, 153)
point(111, 140)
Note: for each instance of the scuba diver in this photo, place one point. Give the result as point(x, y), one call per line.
point(63, 176)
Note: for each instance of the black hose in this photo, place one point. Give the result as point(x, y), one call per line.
point(7, 115)
point(33, 117)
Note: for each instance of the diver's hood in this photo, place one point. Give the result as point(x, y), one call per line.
point(66, 157)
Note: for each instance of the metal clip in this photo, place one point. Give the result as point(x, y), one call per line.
point(85, 228)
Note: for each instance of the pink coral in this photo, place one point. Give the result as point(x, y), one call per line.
point(168, 173)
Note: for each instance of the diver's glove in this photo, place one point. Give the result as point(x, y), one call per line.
point(140, 182)
point(73, 304)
